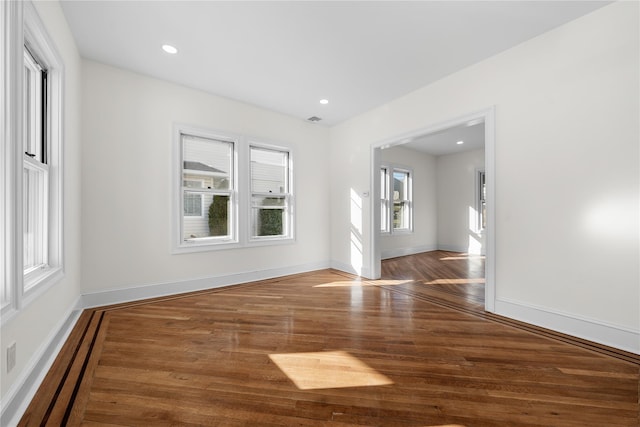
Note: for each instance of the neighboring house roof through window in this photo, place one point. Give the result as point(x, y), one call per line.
point(197, 166)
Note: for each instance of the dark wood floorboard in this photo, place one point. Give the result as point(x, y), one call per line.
point(325, 348)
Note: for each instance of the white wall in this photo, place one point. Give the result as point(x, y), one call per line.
point(424, 235)
point(33, 327)
point(127, 165)
point(567, 131)
point(456, 197)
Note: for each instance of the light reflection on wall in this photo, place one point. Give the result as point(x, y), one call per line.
point(613, 217)
point(356, 232)
point(475, 237)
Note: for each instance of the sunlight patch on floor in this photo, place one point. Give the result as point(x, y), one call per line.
point(459, 258)
point(327, 369)
point(479, 280)
point(343, 284)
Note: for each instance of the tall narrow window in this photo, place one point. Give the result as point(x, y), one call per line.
point(208, 190)
point(270, 193)
point(482, 201)
point(401, 200)
point(396, 206)
point(384, 199)
point(35, 176)
point(32, 228)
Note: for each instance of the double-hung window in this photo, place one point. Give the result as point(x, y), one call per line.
point(35, 177)
point(208, 187)
point(401, 200)
point(230, 191)
point(396, 200)
point(481, 191)
point(270, 193)
point(384, 199)
point(31, 214)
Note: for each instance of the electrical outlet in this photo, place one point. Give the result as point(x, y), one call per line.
point(11, 357)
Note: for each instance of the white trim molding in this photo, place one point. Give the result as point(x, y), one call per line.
point(16, 400)
point(487, 116)
point(362, 271)
point(393, 253)
point(617, 336)
point(155, 290)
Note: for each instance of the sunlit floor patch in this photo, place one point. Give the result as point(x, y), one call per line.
point(327, 369)
point(463, 257)
point(480, 280)
point(345, 284)
point(342, 284)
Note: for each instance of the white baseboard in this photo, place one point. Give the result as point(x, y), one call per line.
point(17, 399)
point(117, 296)
point(453, 248)
point(597, 331)
point(393, 253)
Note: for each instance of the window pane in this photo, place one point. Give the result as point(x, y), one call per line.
point(269, 171)
point(268, 216)
point(208, 161)
point(213, 222)
point(400, 215)
point(219, 215)
point(33, 102)
point(383, 199)
point(207, 165)
point(400, 185)
point(34, 217)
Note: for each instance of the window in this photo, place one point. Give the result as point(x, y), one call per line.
point(35, 181)
point(401, 200)
point(229, 192)
point(395, 200)
point(31, 101)
point(481, 192)
point(384, 199)
point(208, 189)
point(270, 193)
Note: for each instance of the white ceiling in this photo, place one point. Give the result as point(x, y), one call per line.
point(286, 56)
point(445, 141)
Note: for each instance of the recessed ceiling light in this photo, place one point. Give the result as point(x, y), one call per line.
point(324, 101)
point(460, 142)
point(169, 49)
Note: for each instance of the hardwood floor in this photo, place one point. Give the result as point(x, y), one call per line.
point(324, 348)
point(450, 278)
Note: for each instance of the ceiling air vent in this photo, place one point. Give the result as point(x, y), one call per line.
point(314, 119)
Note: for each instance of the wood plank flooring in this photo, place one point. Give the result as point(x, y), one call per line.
point(325, 348)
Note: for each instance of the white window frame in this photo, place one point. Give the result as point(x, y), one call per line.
point(288, 196)
point(480, 198)
point(388, 228)
point(241, 198)
point(384, 200)
point(23, 27)
point(179, 244)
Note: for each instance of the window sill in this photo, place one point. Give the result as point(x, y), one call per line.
point(205, 246)
point(401, 232)
point(270, 241)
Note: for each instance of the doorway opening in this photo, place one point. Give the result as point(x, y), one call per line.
point(451, 206)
